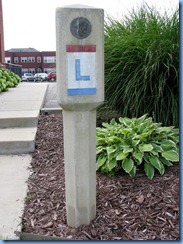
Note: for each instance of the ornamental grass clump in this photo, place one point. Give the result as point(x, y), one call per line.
point(136, 142)
point(142, 65)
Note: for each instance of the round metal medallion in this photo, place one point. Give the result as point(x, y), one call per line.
point(80, 27)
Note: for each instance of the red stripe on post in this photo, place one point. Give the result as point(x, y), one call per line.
point(81, 48)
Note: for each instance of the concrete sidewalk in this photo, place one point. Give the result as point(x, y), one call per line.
point(25, 97)
point(13, 189)
point(19, 112)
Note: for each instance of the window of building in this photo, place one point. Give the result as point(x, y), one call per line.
point(15, 60)
point(24, 70)
point(39, 70)
point(51, 59)
point(7, 60)
point(49, 70)
point(32, 71)
point(39, 59)
point(24, 59)
point(31, 59)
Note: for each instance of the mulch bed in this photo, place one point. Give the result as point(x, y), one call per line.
point(127, 208)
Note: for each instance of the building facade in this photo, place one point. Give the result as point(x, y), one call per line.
point(2, 53)
point(32, 60)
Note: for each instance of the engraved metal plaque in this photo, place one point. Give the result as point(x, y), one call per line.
point(80, 27)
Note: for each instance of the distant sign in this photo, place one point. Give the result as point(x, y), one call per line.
point(81, 69)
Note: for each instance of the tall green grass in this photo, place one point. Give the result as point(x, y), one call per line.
point(142, 65)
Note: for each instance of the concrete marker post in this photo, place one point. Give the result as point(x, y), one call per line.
point(80, 90)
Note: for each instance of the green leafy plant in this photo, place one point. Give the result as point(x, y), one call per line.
point(8, 79)
point(136, 142)
point(142, 65)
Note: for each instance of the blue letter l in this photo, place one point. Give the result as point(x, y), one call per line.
point(78, 73)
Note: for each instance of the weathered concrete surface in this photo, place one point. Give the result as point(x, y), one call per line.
point(80, 166)
point(13, 188)
point(19, 112)
point(25, 97)
point(51, 97)
point(80, 90)
point(17, 140)
point(19, 118)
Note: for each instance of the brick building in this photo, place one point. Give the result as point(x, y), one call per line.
point(32, 60)
point(2, 54)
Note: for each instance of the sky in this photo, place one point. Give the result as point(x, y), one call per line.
point(31, 23)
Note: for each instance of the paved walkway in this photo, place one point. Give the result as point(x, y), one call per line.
point(26, 98)
point(13, 189)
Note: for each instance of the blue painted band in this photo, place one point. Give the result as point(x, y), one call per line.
point(82, 91)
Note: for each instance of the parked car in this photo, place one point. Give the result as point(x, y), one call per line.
point(52, 76)
point(40, 77)
point(27, 77)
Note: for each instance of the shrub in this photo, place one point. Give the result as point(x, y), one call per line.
point(8, 79)
point(136, 142)
point(142, 65)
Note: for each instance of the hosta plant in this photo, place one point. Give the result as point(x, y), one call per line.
point(8, 79)
point(136, 142)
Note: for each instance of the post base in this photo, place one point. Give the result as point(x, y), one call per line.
point(80, 166)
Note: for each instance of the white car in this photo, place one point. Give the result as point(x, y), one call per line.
point(27, 77)
point(40, 77)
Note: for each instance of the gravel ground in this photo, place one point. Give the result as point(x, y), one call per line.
point(127, 208)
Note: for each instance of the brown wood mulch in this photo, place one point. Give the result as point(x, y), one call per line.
point(127, 208)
